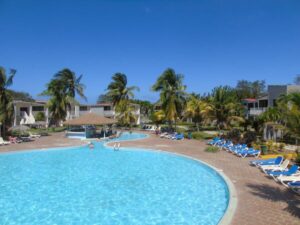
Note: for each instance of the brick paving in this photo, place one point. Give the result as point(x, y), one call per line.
point(260, 199)
point(52, 141)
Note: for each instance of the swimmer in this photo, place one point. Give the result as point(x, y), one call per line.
point(91, 145)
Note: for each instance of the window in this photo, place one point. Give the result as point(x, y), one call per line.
point(83, 108)
point(37, 108)
point(107, 108)
point(274, 103)
point(24, 109)
point(263, 103)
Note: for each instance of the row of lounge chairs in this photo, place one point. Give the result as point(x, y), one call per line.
point(17, 140)
point(172, 136)
point(278, 169)
point(241, 150)
point(150, 128)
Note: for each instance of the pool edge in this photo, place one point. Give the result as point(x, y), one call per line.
point(233, 200)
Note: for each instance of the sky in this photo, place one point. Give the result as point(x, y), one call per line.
point(210, 42)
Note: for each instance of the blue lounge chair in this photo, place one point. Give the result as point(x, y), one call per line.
point(292, 170)
point(214, 141)
point(273, 161)
point(295, 186)
point(227, 145)
point(249, 152)
point(178, 137)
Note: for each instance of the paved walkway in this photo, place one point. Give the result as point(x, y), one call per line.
point(54, 140)
point(260, 199)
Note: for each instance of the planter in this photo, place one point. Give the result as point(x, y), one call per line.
point(264, 149)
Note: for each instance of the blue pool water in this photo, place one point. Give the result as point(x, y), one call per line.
point(106, 187)
point(126, 136)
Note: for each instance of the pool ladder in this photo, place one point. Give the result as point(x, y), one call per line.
point(117, 146)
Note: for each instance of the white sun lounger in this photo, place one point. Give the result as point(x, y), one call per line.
point(2, 142)
point(280, 167)
point(34, 135)
point(285, 179)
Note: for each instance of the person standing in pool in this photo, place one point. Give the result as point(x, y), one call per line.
point(91, 145)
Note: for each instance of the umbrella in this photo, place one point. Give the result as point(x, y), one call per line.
point(19, 128)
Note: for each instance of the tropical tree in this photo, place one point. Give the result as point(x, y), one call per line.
point(158, 117)
point(248, 89)
point(118, 90)
point(271, 115)
point(71, 83)
point(198, 109)
point(6, 106)
point(62, 90)
point(289, 107)
point(104, 98)
point(146, 107)
point(125, 113)
point(172, 94)
point(20, 95)
point(58, 101)
point(226, 107)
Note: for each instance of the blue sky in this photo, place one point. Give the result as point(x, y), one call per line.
point(211, 42)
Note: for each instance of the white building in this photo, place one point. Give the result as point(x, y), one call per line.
point(25, 112)
point(255, 107)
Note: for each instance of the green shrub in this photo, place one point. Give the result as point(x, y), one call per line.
point(180, 130)
point(199, 135)
point(297, 159)
point(40, 116)
point(249, 137)
point(17, 133)
point(57, 129)
point(234, 135)
point(212, 149)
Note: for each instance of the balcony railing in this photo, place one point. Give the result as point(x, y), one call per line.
point(256, 111)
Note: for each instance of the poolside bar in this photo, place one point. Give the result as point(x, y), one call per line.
point(84, 127)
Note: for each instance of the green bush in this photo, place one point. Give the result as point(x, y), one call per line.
point(234, 135)
point(201, 135)
point(57, 129)
point(212, 149)
point(40, 116)
point(297, 160)
point(17, 133)
point(249, 137)
point(180, 130)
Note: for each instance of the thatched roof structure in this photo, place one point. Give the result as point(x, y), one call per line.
point(90, 119)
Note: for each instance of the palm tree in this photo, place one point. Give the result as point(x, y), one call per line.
point(172, 94)
point(199, 110)
point(125, 113)
point(118, 90)
point(62, 89)
point(158, 117)
point(226, 107)
point(58, 102)
point(289, 108)
point(72, 84)
point(6, 106)
point(271, 115)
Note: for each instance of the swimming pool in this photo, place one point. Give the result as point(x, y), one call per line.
point(102, 186)
point(127, 136)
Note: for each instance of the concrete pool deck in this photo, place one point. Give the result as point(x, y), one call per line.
point(260, 200)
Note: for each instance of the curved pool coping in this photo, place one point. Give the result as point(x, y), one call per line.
point(232, 201)
point(134, 139)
